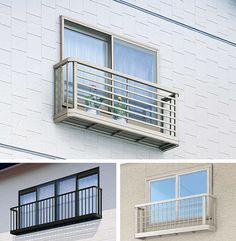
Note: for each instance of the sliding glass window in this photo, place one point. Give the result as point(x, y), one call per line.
point(62, 199)
point(90, 46)
point(142, 63)
point(136, 99)
point(179, 196)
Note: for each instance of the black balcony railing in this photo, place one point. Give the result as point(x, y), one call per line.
point(73, 207)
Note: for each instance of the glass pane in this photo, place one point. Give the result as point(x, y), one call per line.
point(46, 191)
point(47, 203)
point(66, 185)
point(88, 195)
point(94, 50)
point(85, 47)
point(134, 60)
point(193, 183)
point(27, 212)
point(162, 190)
point(66, 202)
point(139, 62)
point(189, 185)
point(28, 198)
point(88, 181)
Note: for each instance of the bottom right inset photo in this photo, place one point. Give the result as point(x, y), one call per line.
point(178, 201)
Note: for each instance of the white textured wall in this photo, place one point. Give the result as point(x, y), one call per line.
point(28, 175)
point(202, 69)
point(133, 192)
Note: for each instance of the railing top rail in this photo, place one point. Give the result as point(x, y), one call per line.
point(56, 196)
point(174, 199)
point(117, 73)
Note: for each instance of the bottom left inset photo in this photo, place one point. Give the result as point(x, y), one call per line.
point(58, 201)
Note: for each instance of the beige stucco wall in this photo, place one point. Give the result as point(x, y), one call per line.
point(133, 191)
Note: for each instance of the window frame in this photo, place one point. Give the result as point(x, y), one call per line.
point(112, 37)
point(85, 173)
point(177, 174)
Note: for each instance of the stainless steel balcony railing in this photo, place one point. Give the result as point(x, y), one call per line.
point(175, 216)
point(113, 103)
point(82, 205)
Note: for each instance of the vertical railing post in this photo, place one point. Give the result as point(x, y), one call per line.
point(76, 203)
point(55, 208)
point(67, 84)
point(62, 97)
point(37, 212)
point(100, 202)
point(136, 223)
point(55, 91)
point(11, 226)
point(75, 84)
point(18, 218)
point(127, 98)
point(214, 211)
point(204, 210)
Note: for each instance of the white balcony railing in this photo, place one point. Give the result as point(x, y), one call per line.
point(174, 216)
point(114, 103)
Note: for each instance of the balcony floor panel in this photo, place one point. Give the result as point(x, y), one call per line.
point(175, 231)
point(111, 127)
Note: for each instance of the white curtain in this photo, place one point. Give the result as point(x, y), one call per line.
point(139, 62)
point(90, 49)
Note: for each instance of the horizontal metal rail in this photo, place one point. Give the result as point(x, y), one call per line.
point(114, 72)
point(60, 208)
point(175, 214)
point(81, 85)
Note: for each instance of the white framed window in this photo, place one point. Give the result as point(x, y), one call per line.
point(179, 195)
point(108, 50)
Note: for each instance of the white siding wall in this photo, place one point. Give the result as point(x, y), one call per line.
point(33, 174)
point(202, 69)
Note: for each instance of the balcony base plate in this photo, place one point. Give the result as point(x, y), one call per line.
point(55, 224)
point(111, 127)
point(175, 231)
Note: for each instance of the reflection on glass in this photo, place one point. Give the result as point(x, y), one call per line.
point(27, 212)
point(163, 190)
point(88, 197)
point(66, 202)
point(46, 207)
point(192, 184)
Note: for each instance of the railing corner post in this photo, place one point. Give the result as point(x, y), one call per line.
point(75, 84)
point(136, 220)
point(204, 210)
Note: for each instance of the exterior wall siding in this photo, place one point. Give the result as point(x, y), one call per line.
point(133, 192)
point(27, 175)
point(202, 69)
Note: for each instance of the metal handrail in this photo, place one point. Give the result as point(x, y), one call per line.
point(75, 205)
point(114, 72)
point(56, 196)
point(175, 199)
point(191, 213)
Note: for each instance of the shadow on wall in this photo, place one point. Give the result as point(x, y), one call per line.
point(86, 230)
